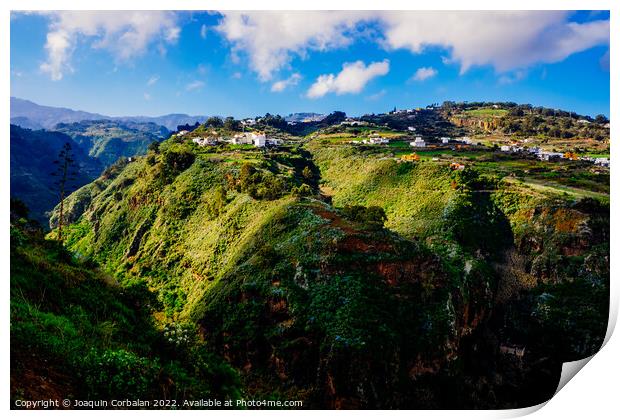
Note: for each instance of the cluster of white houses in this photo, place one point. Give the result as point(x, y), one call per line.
point(255, 138)
point(600, 161)
point(550, 156)
point(419, 142)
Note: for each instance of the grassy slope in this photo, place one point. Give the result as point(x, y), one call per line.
point(413, 196)
point(76, 333)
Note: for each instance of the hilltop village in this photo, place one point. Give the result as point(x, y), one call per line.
point(412, 134)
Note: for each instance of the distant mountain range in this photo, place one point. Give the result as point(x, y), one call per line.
point(28, 114)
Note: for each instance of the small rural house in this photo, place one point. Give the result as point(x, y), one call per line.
point(259, 139)
point(602, 162)
point(377, 140)
point(418, 142)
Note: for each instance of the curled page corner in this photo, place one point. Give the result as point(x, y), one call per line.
point(569, 370)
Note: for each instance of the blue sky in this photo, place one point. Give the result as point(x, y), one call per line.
point(247, 64)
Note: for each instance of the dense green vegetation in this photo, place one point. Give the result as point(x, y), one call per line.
point(32, 161)
point(331, 273)
point(76, 333)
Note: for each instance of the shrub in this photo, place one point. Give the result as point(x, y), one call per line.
point(176, 161)
point(372, 216)
point(120, 374)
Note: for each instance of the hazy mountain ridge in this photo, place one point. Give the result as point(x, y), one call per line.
point(41, 116)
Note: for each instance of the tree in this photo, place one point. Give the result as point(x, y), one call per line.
point(372, 216)
point(214, 122)
point(64, 176)
point(231, 124)
point(601, 119)
point(153, 147)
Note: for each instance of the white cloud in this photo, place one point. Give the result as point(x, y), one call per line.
point(424, 73)
point(195, 85)
point(236, 75)
point(152, 80)
point(147, 96)
point(352, 79)
point(125, 34)
point(508, 79)
point(271, 38)
point(203, 31)
point(281, 85)
point(505, 40)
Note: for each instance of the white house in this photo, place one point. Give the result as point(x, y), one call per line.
point(377, 140)
point(206, 141)
point(411, 128)
point(445, 140)
point(259, 139)
point(542, 155)
point(505, 148)
point(350, 121)
point(418, 142)
point(465, 140)
point(182, 132)
point(245, 138)
point(602, 162)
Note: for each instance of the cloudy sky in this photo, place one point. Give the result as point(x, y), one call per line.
point(246, 64)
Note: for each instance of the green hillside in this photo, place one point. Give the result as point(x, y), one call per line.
point(33, 153)
point(344, 278)
point(76, 333)
point(108, 140)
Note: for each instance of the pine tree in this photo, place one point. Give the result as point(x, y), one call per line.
point(65, 175)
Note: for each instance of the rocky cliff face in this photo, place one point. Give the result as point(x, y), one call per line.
point(484, 124)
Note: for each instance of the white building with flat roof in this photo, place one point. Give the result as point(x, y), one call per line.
point(377, 140)
point(259, 139)
point(418, 142)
